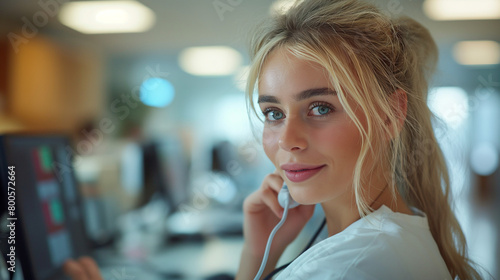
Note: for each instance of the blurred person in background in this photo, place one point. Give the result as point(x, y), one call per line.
point(343, 90)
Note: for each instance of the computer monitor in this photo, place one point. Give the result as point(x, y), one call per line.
point(165, 172)
point(49, 224)
point(154, 180)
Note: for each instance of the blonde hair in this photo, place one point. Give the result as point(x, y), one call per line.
point(370, 57)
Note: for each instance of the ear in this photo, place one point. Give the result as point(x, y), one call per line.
point(399, 103)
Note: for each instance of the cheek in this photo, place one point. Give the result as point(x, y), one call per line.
point(270, 143)
point(340, 143)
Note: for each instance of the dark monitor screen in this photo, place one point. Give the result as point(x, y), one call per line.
point(49, 226)
point(165, 172)
point(154, 181)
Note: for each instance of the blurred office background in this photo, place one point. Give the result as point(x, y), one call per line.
point(151, 94)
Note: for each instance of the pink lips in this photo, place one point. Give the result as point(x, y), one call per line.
point(300, 172)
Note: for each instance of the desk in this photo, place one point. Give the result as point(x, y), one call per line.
point(198, 260)
point(193, 260)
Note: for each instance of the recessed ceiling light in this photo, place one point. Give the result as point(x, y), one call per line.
point(462, 9)
point(93, 17)
point(210, 61)
point(477, 52)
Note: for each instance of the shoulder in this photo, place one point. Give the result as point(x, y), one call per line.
point(381, 248)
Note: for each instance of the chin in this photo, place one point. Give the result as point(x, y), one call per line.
point(304, 196)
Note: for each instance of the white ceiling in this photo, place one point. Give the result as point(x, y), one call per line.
point(184, 23)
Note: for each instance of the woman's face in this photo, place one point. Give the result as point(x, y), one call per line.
point(307, 134)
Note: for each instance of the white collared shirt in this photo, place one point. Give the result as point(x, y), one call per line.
point(382, 245)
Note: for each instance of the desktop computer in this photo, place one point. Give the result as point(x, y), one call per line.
point(40, 198)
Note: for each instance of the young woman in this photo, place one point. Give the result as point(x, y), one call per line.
point(343, 91)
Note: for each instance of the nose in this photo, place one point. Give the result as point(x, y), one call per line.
point(293, 137)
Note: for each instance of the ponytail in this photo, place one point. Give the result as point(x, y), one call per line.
point(421, 170)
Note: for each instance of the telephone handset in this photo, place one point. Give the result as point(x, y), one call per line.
point(284, 200)
point(283, 195)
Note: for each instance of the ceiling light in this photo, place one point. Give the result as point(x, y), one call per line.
point(462, 9)
point(210, 61)
point(93, 17)
point(477, 52)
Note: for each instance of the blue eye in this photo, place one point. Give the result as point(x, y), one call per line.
point(274, 115)
point(320, 110)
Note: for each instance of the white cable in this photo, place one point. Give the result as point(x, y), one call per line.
point(270, 240)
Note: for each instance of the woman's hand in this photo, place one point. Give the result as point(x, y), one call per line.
point(263, 212)
point(85, 268)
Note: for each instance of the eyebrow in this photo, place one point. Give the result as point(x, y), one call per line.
point(300, 96)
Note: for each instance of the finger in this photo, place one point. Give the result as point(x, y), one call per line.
point(274, 181)
point(74, 270)
point(91, 267)
point(270, 198)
